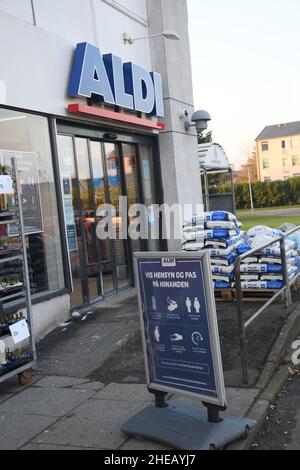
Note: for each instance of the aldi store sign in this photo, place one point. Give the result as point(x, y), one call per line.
point(123, 84)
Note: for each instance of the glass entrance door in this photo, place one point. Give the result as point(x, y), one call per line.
point(80, 219)
point(95, 172)
point(92, 174)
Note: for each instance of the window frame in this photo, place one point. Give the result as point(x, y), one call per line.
point(266, 164)
point(48, 295)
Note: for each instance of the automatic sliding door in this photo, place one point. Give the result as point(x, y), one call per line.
point(104, 247)
point(72, 219)
point(130, 164)
point(88, 219)
point(114, 183)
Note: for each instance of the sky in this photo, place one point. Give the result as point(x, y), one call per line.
point(246, 67)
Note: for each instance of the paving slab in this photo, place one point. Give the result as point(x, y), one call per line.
point(239, 400)
point(59, 382)
point(18, 430)
point(142, 444)
point(49, 447)
point(125, 392)
point(95, 423)
point(92, 386)
point(13, 386)
point(84, 346)
point(45, 401)
point(258, 413)
point(5, 396)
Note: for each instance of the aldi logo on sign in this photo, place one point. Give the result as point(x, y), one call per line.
point(168, 263)
point(110, 80)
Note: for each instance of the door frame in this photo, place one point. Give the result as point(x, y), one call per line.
point(79, 130)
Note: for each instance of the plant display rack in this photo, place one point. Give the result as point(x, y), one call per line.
point(15, 359)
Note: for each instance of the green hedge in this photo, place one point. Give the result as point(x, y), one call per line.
point(265, 194)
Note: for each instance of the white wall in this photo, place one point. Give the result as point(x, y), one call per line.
point(36, 60)
point(178, 148)
point(138, 7)
point(20, 8)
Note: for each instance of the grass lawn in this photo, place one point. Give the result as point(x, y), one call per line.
point(270, 221)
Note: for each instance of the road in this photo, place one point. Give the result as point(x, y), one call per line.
point(279, 212)
point(282, 428)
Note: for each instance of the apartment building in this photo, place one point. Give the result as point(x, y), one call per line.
point(278, 152)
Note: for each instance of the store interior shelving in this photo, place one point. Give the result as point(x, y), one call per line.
point(17, 357)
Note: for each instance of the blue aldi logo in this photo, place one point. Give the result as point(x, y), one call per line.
point(123, 84)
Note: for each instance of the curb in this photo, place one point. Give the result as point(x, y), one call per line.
point(271, 380)
point(280, 348)
point(260, 408)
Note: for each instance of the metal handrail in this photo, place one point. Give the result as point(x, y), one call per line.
point(262, 247)
point(244, 325)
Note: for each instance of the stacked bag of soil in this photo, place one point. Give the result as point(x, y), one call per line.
point(219, 234)
point(264, 269)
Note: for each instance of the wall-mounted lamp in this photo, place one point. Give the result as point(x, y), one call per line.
point(166, 34)
point(199, 120)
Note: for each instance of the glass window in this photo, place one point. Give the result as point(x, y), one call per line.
point(113, 168)
point(283, 144)
point(132, 185)
point(265, 146)
point(266, 164)
point(148, 184)
point(295, 161)
point(26, 137)
point(284, 162)
point(267, 179)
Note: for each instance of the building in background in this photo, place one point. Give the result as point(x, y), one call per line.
point(78, 100)
point(278, 152)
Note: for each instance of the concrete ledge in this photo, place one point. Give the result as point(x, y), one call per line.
point(271, 380)
point(276, 384)
point(258, 412)
point(260, 408)
point(289, 332)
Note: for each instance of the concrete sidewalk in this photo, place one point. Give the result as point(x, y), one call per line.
point(91, 380)
point(59, 413)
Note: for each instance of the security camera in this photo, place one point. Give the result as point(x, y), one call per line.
point(184, 114)
point(200, 121)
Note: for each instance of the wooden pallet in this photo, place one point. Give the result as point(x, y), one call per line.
point(296, 285)
point(224, 295)
point(260, 295)
point(249, 295)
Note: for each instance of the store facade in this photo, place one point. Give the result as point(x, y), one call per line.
point(91, 119)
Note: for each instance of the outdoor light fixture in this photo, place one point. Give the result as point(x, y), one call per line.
point(199, 120)
point(166, 34)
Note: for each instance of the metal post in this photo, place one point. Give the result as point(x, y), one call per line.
point(232, 190)
point(206, 186)
point(250, 192)
point(286, 283)
point(160, 398)
point(241, 323)
point(26, 279)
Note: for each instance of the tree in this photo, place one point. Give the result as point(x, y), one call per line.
point(249, 169)
point(205, 138)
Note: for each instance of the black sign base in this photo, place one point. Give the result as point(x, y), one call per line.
point(185, 427)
